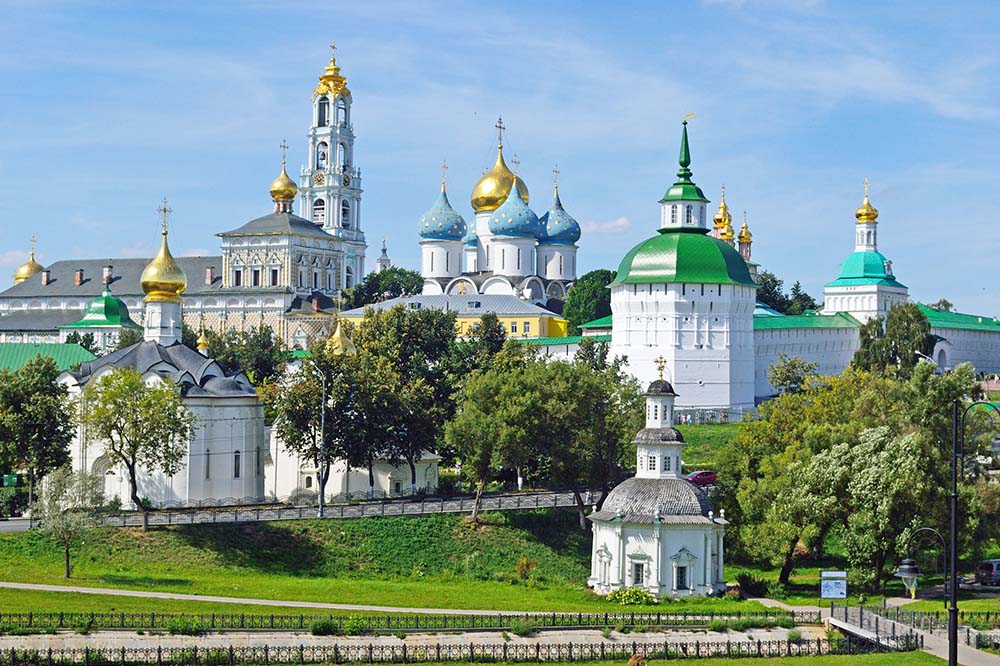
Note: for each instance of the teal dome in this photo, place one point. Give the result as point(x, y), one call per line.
point(472, 239)
point(866, 268)
point(442, 222)
point(514, 218)
point(557, 226)
point(683, 255)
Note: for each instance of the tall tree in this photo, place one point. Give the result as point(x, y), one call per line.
point(140, 425)
point(769, 291)
point(85, 340)
point(257, 351)
point(382, 285)
point(790, 374)
point(128, 337)
point(898, 346)
point(942, 304)
point(799, 301)
point(67, 508)
point(589, 298)
point(36, 421)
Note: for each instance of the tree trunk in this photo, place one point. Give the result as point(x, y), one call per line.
point(134, 494)
point(520, 478)
point(413, 475)
point(371, 478)
point(600, 500)
point(66, 560)
point(786, 568)
point(478, 503)
point(581, 509)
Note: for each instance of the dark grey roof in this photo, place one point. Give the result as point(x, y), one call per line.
point(196, 375)
point(125, 283)
point(471, 304)
point(660, 387)
point(658, 436)
point(38, 320)
point(641, 500)
point(278, 223)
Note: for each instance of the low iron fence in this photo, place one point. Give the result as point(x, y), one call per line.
point(971, 630)
point(384, 624)
point(472, 652)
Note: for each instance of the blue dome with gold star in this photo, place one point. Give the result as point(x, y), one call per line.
point(472, 239)
point(442, 222)
point(558, 226)
point(513, 218)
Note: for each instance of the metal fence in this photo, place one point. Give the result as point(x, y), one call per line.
point(972, 624)
point(383, 624)
point(507, 652)
point(220, 513)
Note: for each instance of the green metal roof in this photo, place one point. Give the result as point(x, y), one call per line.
point(13, 355)
point(683, 255)
point(105, 311)
point(568, 340)
point(603, 322)
point(865, 268)
point(958, 320)
point(772, 323)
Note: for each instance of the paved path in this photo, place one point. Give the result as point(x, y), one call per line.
point(14, 525)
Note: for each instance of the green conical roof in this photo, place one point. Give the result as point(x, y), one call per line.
point(683, 255)
point(684, 189)
point(105, 311)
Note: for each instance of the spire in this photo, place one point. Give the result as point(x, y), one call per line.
point(331, 82)
point(684, 189)
point(555, 183)
point(444, 174)
point(685, 157)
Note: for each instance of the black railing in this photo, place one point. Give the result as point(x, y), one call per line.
point(383, 624)
point(472, 652)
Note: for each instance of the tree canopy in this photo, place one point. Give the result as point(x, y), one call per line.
point(771, 293)
point(898, 345)
point(589, 298)
point(256, 351)
point(382, 285)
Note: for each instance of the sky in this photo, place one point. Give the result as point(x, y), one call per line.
point(107, 107)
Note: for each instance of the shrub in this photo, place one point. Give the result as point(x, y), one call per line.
point(184, 626)
point(637, 660)
point(524, 567)
point(324, 628)
point(776, 590)
point(620, 628)
point(632, 596)
point(751, 585)
point(718, 625)
point(606, 632)
point(794, 636)
point(355, 626)
point(522, 626)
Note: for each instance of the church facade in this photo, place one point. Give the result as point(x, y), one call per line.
point(284, 270)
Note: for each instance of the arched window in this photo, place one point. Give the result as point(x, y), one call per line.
point(341, 113)
point(236, 464)
point(324, 112)
point(345, 214)
point(341, 155)
point(689, 215)
point(701, 215)
point(319, 212)
point(309, 482)
point(322, 155)
point(348, 277)
point(869, 238)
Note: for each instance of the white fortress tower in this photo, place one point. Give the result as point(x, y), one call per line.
point(685, 300)
point(330, 183)
point(866, 286)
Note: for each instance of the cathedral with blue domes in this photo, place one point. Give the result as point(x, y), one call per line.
point(507, 250)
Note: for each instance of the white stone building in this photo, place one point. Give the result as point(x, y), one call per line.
point(657, 531)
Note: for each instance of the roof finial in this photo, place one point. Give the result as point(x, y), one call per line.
point(444, 172)
point(555, 180)
point(32, 246)
point(685, 156)
point(333, 48)
point(384, 239)
point(661, 364)
point(500, 128)
point(723, 193)
point(164, 210)
point(866, 187)
point(284, 151)
point(515, 162)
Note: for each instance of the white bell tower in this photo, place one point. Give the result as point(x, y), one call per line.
point(658, 446)
point(330, 183)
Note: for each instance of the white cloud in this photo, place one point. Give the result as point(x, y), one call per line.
point(618, 225)
point(13, 258)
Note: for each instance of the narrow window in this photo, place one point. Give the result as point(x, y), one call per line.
point(255, 277)
point(666, 463)
point(447, 261)
point(673, 215)
point(345, 214)
point(319, 212)
point(315, 280)
point(208, 463)
point(637, 573)
point(322, 155)
point(236, 465)
point(688, 215)
point(656, 412)
point(341, 113)
point(527, 328)
point(652, 463)
point(237, 278)
point(349, 277)
point(432, 261)
point(274, 277)
point(560, 265)
point(682, 578)
point(518, 258)
point(324, 112)
point(513, 327)
point(309, 482)
point(260, 463)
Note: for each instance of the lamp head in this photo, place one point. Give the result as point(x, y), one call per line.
point(909, 572)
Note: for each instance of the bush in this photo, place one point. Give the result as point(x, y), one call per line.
point(355, 626)
point(718, 625)
point(751, 585)
point(522, 626)
point(185, 626)
point(776, 590)
point(13, 502)
point(324, 628)
point(524, 567)
point(794, 636)
point(632, 596)
point(606, 632)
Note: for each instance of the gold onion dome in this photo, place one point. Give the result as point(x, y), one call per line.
point(29, 268)
point(332, 82)
point(283, 188)
point(163, 279)
point(866, 212)
point(495, 185)
point(202, 341)
point(722, 216)
point(745, 235)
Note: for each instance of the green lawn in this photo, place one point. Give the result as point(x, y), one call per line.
point(434, 562)
point(704, 442)
point(966, 602)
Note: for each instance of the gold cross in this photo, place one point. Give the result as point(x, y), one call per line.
point(32, 245)
point(164, 210)
point(661, 363)
point(284, 150)
point(500, 128)
point(333, 46)
point(866, 187)
point(515, 162)
point(444, 169)
point(723, 193)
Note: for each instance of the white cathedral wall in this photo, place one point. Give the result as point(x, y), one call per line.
point(440, 259)
point(513, 257)
point(704, 332)
point(654, 546)
point(981, 348)
point(863, 302)
point(556, 261)
point(831, 349)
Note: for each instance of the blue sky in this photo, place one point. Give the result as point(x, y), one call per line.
point(107, 107)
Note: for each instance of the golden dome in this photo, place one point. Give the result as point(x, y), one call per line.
point(866, 212)
point(202, 341)
point(493, 188)
point(727, 232)
point(28, 268)
point(332, 82)
point(722, 216)
point(163, 279)
point(745, 235)
point(283, 188)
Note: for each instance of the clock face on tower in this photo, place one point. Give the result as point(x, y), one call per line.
point(319, 179)
point(346, 180)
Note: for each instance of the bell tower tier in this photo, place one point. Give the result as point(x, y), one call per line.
point(330, 183)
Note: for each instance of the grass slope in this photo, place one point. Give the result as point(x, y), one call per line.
point(436, 561)
point(704, 443)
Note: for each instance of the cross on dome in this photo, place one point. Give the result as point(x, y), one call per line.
point(33, 245)
point(661, 364)
point(515, 162)
point(284, 151)
point(164, 210)
point(500, 128)
point(866, 186)
point(444, 172)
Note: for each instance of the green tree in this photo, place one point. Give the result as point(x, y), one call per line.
point(942, 304)
point(769, 291)
point(36, 421)
point(140, 425)
point(67, 508)
point(257, 352)
point(799, 301)
point(898, 346)
point(589, 298)
point(189, 337)
point(128, 337)
point(86, 341)
point(383, 285)
point(790, 374)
